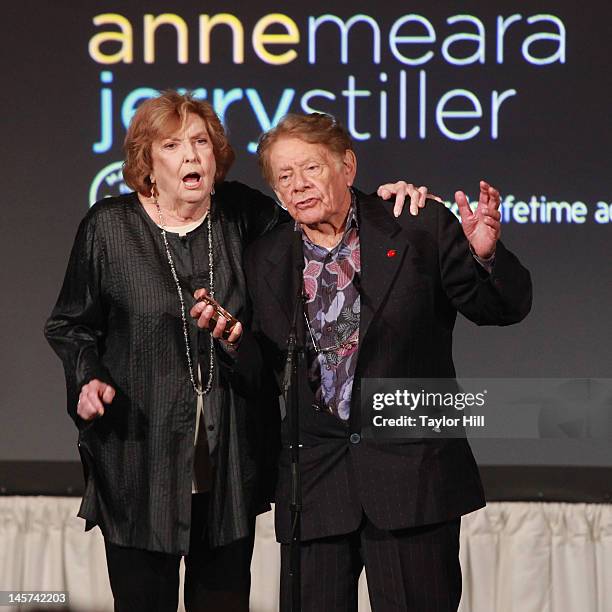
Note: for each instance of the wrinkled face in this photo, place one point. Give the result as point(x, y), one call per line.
point(183, 163)
point(311, 180)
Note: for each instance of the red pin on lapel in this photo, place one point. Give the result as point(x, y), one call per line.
point(391, 253)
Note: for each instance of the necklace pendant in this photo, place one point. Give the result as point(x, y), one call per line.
point(197, 387)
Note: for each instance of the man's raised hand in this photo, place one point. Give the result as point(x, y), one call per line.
point(482, 226)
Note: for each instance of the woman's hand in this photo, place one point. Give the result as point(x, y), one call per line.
point(204, 314)
point(400, 190)
point(92, 398)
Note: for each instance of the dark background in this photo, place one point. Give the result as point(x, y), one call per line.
point(554, 141)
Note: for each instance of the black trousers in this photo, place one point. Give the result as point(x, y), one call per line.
point(409, 570)
point(216, 579)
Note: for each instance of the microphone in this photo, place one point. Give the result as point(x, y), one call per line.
point(298, 251)
point(298, 263)
point(297, 255)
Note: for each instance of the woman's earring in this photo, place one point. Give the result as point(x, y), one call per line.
point(212, 191)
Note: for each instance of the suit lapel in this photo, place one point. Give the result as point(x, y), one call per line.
point(282, 278)
point(280, 274)
point(383, 248)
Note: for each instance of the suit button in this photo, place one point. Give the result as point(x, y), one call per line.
point(355, 438)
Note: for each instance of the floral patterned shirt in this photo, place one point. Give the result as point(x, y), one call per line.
point(332, 309)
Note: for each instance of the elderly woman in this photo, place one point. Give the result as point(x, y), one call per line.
point(174, 450)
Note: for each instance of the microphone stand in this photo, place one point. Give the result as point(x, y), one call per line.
point(290, 392)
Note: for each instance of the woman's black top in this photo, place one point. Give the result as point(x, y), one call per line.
point(118, 319)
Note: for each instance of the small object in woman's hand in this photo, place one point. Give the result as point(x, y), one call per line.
point(219, 311)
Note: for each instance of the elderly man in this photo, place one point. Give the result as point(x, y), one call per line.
point(380, 300)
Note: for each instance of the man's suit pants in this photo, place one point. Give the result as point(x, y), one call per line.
point(409, 570)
